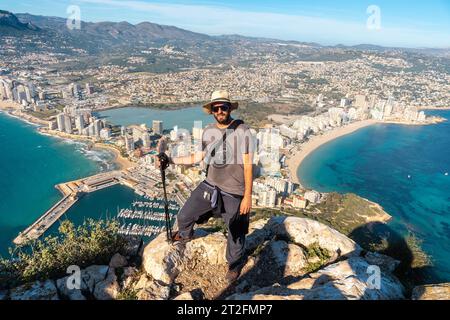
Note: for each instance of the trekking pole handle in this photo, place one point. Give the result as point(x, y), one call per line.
point(164, 160)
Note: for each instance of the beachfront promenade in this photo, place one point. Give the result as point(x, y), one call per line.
point(71, 191)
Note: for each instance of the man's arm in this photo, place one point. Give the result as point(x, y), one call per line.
point(193, 158)
point(246, 203)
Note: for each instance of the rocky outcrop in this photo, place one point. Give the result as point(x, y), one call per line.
point(279, 265)
point(150, 289)
point(91, 277)
point(68, 292)
point(100, 282)
point(386, 263)
point(345, 280)
point(162, 260)
point(288, 258)
point(118, 261)
point(432, 292)
point(306, 232)
point(39, 290)
point(108, 288)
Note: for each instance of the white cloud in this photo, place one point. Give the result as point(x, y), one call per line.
point(215, 20)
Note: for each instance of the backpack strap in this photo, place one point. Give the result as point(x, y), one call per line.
point(233, 126)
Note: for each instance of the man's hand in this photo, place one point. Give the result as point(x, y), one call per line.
point(246, 205)
point(162, 160)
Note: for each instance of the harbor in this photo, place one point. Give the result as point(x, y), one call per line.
point(72, 191)
point(149, 222)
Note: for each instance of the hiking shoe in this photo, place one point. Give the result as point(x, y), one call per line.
point(232, 275)
point(177, 238)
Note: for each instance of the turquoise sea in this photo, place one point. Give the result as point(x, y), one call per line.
point(401, 167)
point(183, 118)
point(406, 169)
point(32, 164)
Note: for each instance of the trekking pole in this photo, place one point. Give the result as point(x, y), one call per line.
point(164, 164)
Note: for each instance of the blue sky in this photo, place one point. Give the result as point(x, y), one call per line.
point(401, 23)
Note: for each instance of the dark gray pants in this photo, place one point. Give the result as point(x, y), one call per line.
point(198, 209)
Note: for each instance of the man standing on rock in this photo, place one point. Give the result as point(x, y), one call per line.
point(227, 148)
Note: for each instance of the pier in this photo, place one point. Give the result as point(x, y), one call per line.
point(71, 191)
point(142, 180)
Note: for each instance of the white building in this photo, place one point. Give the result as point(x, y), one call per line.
point(79, 123)
point(312, 196)
point(67, 124)
point(89, 88)
point(267, 198)
point(288, 132)
point(146, 142)
point(157, 127)
point(129, 143)
point(98, 125)
point(52, 125)
point(360, 101)
point(60, 122)
point(197, 130)
point(105, 133)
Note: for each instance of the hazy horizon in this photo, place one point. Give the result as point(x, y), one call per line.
point(324, 22)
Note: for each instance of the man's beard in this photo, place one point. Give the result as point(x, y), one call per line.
point(225, 121)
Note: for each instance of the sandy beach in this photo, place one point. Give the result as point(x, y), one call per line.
point(13, 109)
point(299, 153)
point(122, 162)
point(5, 105)
point(433, 108)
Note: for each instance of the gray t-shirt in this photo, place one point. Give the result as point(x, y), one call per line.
point(226, 167)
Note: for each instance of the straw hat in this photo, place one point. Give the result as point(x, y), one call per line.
point(220, 96)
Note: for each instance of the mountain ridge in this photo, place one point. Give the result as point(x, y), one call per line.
point(156, 31)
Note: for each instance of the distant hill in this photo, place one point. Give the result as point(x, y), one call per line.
point(114, 31)
point(9, 22)
point(118, 40)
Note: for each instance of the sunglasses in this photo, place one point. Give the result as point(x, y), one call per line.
point(224, 107)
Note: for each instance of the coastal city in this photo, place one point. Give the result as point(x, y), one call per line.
point(311, 102)
point(281, 144)
point(125, 175)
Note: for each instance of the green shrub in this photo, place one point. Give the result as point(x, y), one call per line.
point(312, 251)
point(93, 242)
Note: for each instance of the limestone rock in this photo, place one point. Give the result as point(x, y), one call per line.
point(129, 276)
point(257, 235)
point(118, 261)
point(39, 290)
point(162, 260)
point(149, 289)
point(345, 280)
point(384, 262)
point(432, 292)
point(90, 277)
point(289, 257)
point(358, 271)
point(107, 289)
point(306, 232)
point(93, 275)
point(210, 248)
point(65, 283)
